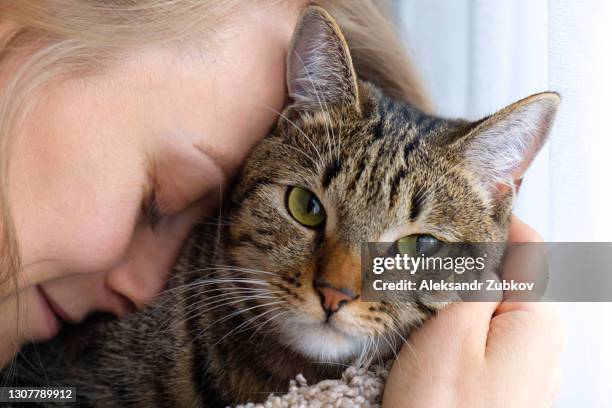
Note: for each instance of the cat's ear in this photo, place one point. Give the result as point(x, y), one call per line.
point(500, 148)
point(320, 71)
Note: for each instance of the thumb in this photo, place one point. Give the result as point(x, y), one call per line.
point(462, 327)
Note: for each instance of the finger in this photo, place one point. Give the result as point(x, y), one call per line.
point(518, 231)
point(546, 309)
point(520, 326)
point(460, 328)
point(525, 263)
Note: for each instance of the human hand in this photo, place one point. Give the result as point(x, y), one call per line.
point(481, 354)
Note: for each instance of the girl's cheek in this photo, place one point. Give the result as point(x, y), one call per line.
point(76, 183)
point(91, 236)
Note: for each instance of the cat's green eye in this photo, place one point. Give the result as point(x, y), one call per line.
point(416, 245)
point(305, 207)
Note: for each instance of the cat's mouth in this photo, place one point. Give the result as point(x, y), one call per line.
point(321, 339)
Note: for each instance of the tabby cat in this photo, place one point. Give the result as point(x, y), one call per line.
point(272, 289)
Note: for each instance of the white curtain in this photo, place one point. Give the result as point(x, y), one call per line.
point(477, 56)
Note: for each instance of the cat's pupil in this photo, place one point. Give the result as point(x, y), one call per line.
point(313, 206)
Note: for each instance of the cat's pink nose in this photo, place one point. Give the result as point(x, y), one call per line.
point(333, 299)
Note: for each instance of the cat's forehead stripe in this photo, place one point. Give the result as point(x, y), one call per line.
point(416, 203)
point(361, 167)
point(331, 171)
point(395, 184)
point(378, 130)
point(410, 146)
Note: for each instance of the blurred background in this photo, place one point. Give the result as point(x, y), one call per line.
point(476, 56)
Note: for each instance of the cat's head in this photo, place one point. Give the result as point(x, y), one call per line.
point(346, 165)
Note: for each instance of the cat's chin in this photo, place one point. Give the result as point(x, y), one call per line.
point(319, 341)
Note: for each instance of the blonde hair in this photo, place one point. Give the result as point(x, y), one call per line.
point(61, 37)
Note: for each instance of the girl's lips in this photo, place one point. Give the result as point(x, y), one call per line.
point(54, 324)
point(56, 309)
